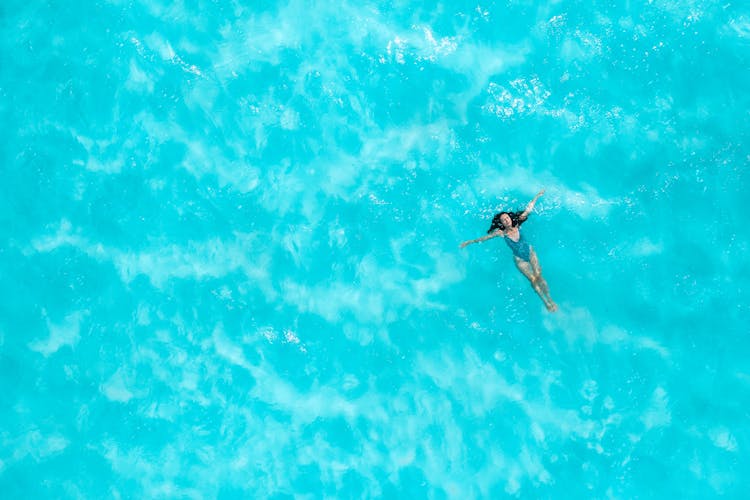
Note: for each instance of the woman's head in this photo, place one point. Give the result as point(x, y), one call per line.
point(505, 220)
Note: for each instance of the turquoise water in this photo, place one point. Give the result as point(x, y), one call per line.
point(230, 263)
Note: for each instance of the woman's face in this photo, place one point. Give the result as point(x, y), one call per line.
point(505, 219)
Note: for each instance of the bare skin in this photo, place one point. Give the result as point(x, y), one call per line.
point(531, 269)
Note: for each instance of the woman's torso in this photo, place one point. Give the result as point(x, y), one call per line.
point(518, 245)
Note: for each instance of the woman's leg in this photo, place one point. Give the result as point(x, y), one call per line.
point(537, 271)
point(526, 270)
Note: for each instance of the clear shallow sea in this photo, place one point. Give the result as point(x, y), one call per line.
point(229, 260)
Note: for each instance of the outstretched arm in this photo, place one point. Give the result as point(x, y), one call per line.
point(483, 238)
point(530, 206)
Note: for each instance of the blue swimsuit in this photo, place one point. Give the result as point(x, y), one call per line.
point(520, 248)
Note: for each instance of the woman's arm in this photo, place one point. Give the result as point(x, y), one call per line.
point(483, 238)
point(530, 206)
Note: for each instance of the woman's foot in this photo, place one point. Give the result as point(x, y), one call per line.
point(551, 306)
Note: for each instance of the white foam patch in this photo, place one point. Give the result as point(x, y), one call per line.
point(337, 235)
point(138, 79)
point(282, 189)
point(420, 45)
point(159, 45)
point(559, 422)
point(143, 315)
point(66, 333)
point(322, 402)
point(203, 158)
point(518, 97)
point(381, 293)
point(156, 473)
point(269, 333)
point(338, 463)
point(106, 167)
point(478, 63)
point(229, 350)
point(347, 178)
point(289, 119)
point(350, 383)
point(447, 271)
point(644, 247)
point(262, 38)
point(617, 338)
point(533, 467)
point(511, 99)
point(658, 414)
point(200, 98)
point(538, 433)
point(156, 43)
point(54, 444)
point(578, 324)
point(116, 387)
point(480, 388)
point(400, 143)
point(330, 300)
point(97, 149)
point(581, 46)
point(108, 155)
point(38, 445)
point(181, 372)
point(739, 27)
point(480, 383)
point(722, 438)
point(351, 178)
point(590, 390)
point(290, 337)
point(438, 48)
point(686, 12)
point(196, 260)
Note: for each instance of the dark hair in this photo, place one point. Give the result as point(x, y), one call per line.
point(515, 220)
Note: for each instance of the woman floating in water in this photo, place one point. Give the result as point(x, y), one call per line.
point(507, 224)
